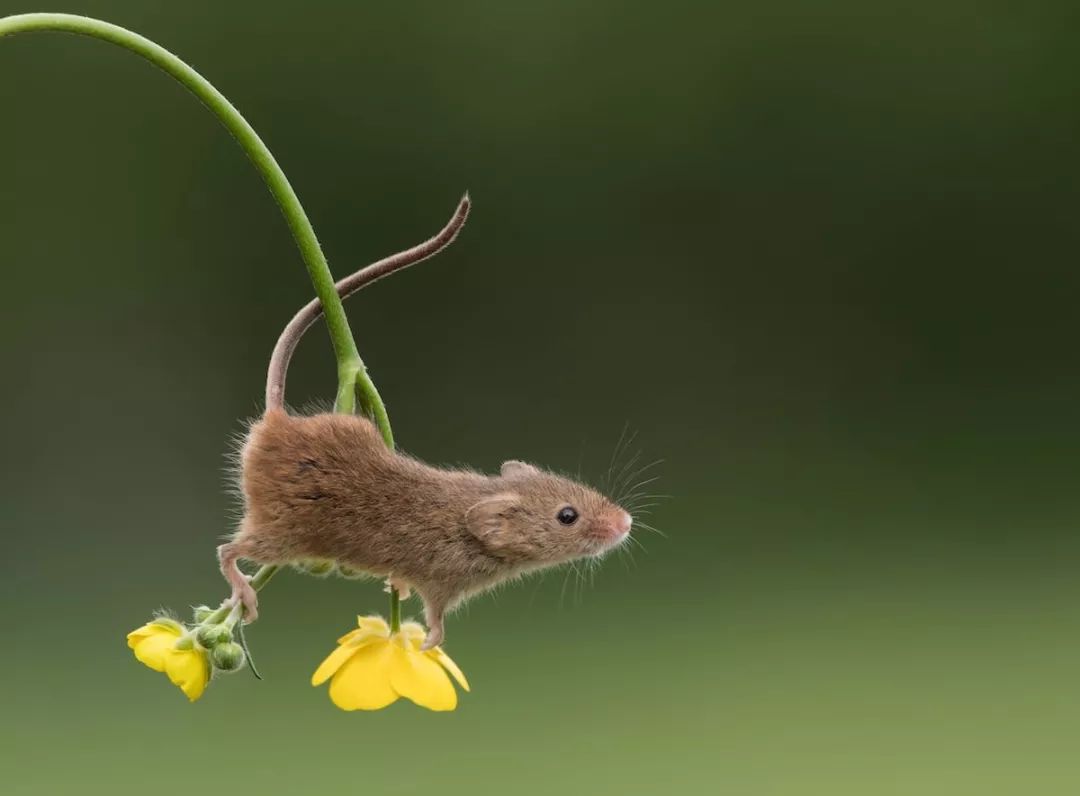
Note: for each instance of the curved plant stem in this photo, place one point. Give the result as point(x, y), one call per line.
point(353, 379)
point(246, 137)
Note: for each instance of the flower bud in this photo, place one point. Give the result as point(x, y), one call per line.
point(209, 636)
point(227, 657)
point(201, 613)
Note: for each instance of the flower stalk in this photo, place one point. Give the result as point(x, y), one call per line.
point(354, 382)
point(395, 610)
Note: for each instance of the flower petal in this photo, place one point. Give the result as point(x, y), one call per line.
point(419, 678)
point(337, 658)
point(153, 651)
point(140, 633)
point(413, 633)
point(353, 634)
point(362, 682)
point(152, 629)
point(374, 624)
point(369, 626)
point(447, 663)
point(189, 670)
point(152, 644)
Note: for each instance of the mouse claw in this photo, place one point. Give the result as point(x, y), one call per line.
point(403, 590)
point(433, 615)
point(242, 592)
point(434, 639)
point(434, 636)
point(247, 597)
point(251, 608)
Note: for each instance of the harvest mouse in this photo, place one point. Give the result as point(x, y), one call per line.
point(327, 487)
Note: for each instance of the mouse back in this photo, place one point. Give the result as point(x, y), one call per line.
point(289, 460)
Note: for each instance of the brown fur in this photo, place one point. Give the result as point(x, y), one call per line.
point(327, 487)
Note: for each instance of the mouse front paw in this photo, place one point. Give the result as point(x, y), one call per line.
point(434, 638)
point(435, 634)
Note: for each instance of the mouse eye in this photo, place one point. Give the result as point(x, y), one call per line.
point(567, 515)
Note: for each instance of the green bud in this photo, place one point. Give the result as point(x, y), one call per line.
point(201, 613)
point(209, 636)
point(227, 657)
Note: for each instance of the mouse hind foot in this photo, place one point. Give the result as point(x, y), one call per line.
point(229, 555)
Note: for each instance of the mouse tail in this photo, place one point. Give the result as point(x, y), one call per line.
point(306, 317)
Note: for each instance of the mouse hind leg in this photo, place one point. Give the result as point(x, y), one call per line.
point(229, 554)
point(260, 543)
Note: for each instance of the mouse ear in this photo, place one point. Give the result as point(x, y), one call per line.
point(489, 522)
point(514, 467)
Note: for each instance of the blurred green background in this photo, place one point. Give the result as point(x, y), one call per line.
point(822, 257)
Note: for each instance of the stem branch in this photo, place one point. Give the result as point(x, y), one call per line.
point(353, 379)
point(237, 125)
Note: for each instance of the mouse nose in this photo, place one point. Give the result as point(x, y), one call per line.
point(623, 522)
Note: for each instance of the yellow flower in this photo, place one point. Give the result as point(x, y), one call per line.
point(371, 668)
point(155, 645)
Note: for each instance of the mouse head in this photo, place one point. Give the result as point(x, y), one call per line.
point(543, 518)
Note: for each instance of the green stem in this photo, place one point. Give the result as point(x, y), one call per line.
point(262, 577)
point(353, 379)
point(246, 137)
point(395, 610)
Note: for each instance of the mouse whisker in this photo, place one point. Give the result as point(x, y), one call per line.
point(580, 459)
point(594, 567)
point(626, 468)
point(626, 490)
point(591, 568)
point(579, 583)
point(618, 444)
point(646, 526)
point(635, 496)
point(614, 457)
point(642, 504)
point(627, 549)
point(637, 505)
point(631, 491)
point(566, 580)
point(622, 450)
point(650, 495)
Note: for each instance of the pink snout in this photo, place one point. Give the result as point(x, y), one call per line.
point(616, 526)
